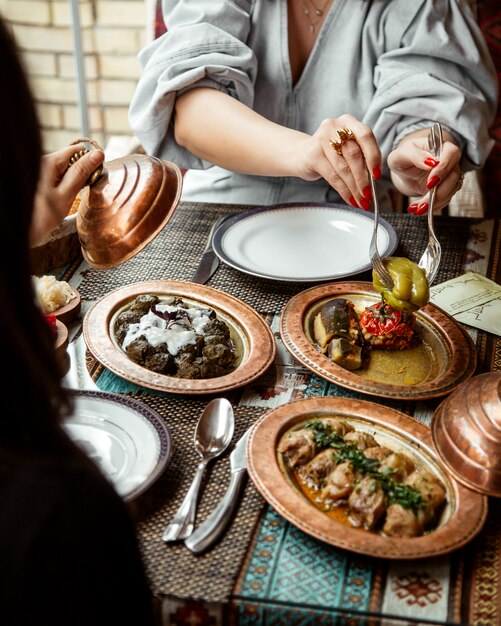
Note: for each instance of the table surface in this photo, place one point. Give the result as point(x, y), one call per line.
point(264, 570)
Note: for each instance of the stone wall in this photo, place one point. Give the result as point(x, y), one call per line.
point(112, 33)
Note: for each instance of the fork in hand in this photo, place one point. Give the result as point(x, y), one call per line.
point(431, 256)
point(377, 263)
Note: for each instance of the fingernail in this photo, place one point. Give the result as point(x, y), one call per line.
point(367, 193)
point(376, 172)
point(431, 162)
point(434, 180)
point(422, 208)
point(364, 204)
point(412, 207)
point(353, 202)
point(96, 156)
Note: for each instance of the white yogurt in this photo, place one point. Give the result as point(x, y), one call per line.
point(175, 335)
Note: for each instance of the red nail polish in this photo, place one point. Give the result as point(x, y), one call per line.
point(353, 202)
point(431, 162)
point(376, 172)
point(364, 204)
point(434, 180)
point(412, 207)
point(367, 193)
point(422, 208)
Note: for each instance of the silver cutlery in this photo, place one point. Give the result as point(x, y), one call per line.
point(213, 434)
point(433, 252)
point(209, 261)
point(376, 261)
point(78, 376)
point(210, 530)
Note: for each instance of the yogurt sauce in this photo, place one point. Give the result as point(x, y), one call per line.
point(176, 335)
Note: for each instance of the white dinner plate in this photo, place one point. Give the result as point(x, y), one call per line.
point(127, 439)
point(302, 242)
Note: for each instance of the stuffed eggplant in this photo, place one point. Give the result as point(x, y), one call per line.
point(336, 333)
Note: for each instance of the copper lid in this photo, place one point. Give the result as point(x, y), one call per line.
point(466, 429)
point(126, 207)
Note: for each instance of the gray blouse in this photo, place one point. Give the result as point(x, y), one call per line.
point(397, 65)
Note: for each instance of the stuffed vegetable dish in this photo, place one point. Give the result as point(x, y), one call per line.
point(170, 336)
point(349, 475)
point(348, 333)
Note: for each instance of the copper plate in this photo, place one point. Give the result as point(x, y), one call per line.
point(451, 357)
point(462, 519)
point(253, 337)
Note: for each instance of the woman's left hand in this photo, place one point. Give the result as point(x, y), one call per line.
point(58, 186)
point(415, 171)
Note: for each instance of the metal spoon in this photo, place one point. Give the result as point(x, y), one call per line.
point(213, 434)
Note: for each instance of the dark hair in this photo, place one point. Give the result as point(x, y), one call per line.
point(30, 362)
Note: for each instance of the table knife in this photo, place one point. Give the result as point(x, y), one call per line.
point(210, 530)
point(209, 262)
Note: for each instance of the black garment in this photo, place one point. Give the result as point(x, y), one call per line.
point(68, 549)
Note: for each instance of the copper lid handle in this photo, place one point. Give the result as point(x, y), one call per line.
point(96, 175)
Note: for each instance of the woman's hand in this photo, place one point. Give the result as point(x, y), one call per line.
point(414, 170)
point(217, 128)
point(58, 187)
point(347, 168)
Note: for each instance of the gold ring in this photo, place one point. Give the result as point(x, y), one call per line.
point(344, 134)
point(459, 184)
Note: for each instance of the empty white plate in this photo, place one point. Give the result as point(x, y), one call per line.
point(127, 440)
point(302, 242)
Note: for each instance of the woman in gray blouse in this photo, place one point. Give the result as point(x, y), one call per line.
point(248, 95)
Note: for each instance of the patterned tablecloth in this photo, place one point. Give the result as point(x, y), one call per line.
point(264, 570)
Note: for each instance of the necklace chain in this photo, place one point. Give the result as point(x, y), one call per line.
point(319, 12)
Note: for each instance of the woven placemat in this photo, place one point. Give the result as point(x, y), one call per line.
point(175, 252)
point(171, 567)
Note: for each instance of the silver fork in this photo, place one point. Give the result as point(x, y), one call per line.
point(431, 256)
point(376, 260)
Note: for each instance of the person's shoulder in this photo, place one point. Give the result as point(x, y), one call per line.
point(83, 481)
point(70, 478)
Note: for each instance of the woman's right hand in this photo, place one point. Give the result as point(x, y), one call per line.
point(348, 172)
point(219, 129)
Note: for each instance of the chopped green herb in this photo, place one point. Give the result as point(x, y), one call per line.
point(405, 495)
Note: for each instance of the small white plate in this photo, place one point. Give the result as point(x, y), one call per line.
point(302, 242)
point(127, 440)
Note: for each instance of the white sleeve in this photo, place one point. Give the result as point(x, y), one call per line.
point(439, 71)
point(203, 46)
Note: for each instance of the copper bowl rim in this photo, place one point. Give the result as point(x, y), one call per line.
point(469, 508)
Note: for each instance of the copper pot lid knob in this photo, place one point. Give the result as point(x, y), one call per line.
point(94, 177)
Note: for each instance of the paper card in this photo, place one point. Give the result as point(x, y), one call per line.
point(472, 299)
point(486, 316)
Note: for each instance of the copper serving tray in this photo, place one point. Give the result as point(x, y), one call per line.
point(461, 520)
point(448, 356)
point(253, 337)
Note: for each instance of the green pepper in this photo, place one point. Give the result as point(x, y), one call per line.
point(411, 290)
